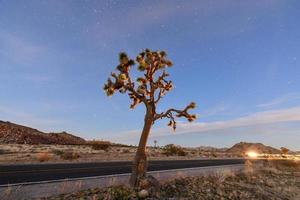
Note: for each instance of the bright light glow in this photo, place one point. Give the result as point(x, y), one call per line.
point(252, 154)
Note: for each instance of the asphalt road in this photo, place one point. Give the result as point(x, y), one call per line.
point(10, 174)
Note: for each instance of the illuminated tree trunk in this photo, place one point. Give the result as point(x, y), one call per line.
point(140, 163)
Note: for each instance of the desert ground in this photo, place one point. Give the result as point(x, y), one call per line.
point(25, 153)
point(262, 180)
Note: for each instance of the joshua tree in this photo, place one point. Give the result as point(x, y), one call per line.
point(148, 89)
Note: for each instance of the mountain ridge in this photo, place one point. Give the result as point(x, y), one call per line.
point(243, 147)
point(11, 133)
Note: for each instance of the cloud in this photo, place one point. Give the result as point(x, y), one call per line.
point(18, 48)
point(255, 119)
point(216, 110)
point(280, 100)
point(266, 117)
point(150, 15)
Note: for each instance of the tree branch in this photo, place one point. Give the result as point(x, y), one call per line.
point(179, 113)
point(130, 87)
point(149, 91)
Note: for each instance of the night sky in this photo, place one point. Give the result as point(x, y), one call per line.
point(238, 60)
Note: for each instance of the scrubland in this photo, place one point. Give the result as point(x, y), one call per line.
point(97, 152)
point(263, 180)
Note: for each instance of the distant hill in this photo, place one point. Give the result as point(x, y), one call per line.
point(243, 147)
point(11, 133)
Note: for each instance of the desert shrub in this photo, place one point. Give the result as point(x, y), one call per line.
point(285, 165)
point(2, 151)
point(120, 192)
point(284, 150)
point(58, 152)
point(126, 151)
point(99, 145)
point(43, 156)
point(69, 155)
point(172, 150)
point(181, 152)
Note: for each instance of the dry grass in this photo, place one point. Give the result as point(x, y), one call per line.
point(43, 156)
point(270, 180)
point(11, 194)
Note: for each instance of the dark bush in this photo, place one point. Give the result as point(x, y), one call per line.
point(2, 151)
point(99, 145)
point(58, 152)
point(121, 192)
point(173, 150)
point(126, 151)
point(69, 155)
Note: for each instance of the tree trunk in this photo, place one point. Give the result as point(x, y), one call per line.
point(140, 163)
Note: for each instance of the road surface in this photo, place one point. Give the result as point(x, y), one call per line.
point(11, 174)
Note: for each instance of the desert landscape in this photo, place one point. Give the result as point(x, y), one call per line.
point(264, 180)
point(149, 100)
point(260, 179)
point(20, 144)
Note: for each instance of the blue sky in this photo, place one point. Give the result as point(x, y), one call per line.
point(238, 60)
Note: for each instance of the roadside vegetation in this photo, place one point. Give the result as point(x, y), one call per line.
point(261, 180)
point(174, 150)
point(43, 156)
point(100, 151)
point(70, 155)
point(2, 151)
point(99, 145)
